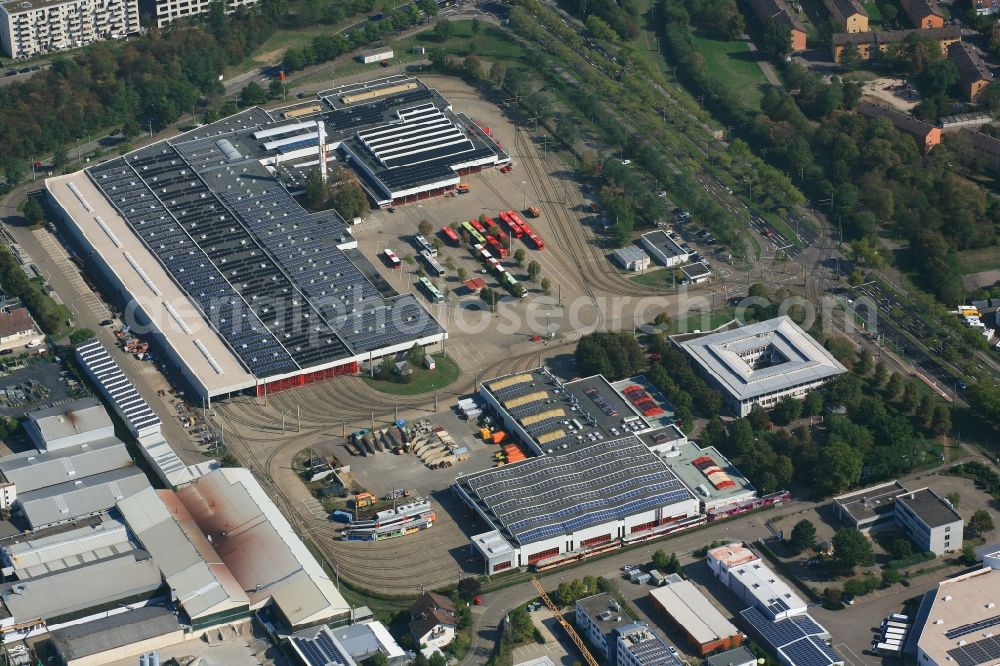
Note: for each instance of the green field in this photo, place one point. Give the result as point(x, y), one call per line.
point(732, 64)
point(657, 278)
point(489, 44)
point(698, 321)
point(421, 381)
point(983, 259)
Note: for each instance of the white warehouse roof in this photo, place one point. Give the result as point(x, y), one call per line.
point(781, 355)
point(32, 470)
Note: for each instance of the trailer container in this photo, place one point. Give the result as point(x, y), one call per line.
point(887, 649)
point(894, 625)
point(342, 516)
point(473, 414)
point(897, 617)
point(369, 442)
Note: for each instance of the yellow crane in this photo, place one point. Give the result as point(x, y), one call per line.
point(570, 631)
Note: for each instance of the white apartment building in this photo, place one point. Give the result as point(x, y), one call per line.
point(930, 521)
point(34, 27)
point(171, 10)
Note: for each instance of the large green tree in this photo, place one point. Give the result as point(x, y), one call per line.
point(851, 549)
point(613, 354)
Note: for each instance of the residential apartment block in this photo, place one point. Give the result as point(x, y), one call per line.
point(983, 148)
point(973, 74)
point(872, 42)
point(34, 27)
point(926, 135)
point(849, 14)
point(171, 10)
point(924, 13)
point(780, 13)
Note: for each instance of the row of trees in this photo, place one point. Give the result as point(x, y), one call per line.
point(152, 79)
point(324, 48)
point(50, 315)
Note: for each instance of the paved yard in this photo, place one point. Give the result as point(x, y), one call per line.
point(557, 646)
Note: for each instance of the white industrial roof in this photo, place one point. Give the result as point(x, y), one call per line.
point(770, 591)
point(81, 588)
point(202, 584)
point(143, 423)
point(32, 470)
point(693, 611)
point(963, 620)
point(82, 497)
point(115, 243)
point(46, 554)
point(79, 416)
point(796, 358)
point(260, 547)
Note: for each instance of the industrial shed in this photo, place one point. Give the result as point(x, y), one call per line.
point(705, 628)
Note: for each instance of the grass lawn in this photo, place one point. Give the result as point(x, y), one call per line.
point(732, 63)
point(983, 259)
point(660, 277)
point(706, 321)
point(422, 380)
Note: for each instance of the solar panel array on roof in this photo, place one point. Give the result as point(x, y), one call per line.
point(191, 268)
point(811, 651)
point(985, 650)
point(973, 627)
point(128, 403)
point(321, 650)
point(359, 117)
point(799, 638)
point(561, 494)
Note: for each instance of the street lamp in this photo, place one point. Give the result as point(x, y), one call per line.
point(524, 196)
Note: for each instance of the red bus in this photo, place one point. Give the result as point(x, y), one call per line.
point(514, 215)
point(491, 224)
point(495, 244)
point(450, 234)
point(478, 226)
point(537, 240)
point(391, 259)
point(514, 227)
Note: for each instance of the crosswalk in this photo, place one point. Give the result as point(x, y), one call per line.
point(60, 258)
